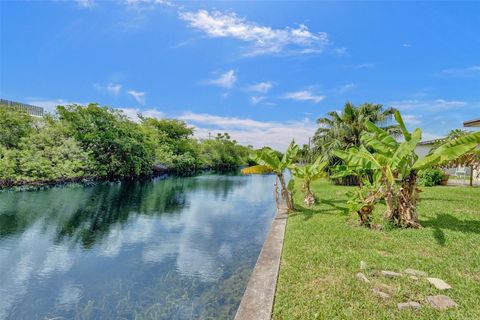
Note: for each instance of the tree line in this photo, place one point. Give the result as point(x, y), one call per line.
point(93, 142)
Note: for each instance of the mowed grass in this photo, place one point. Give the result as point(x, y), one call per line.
point(324, 246)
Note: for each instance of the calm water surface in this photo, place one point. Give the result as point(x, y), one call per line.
point(177, 248)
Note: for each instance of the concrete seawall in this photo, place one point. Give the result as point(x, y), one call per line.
point(257, 301)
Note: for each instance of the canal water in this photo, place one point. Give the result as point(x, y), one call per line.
point(175, 248)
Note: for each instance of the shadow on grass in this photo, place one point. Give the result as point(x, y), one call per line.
point(334, 208)
point(447, 221)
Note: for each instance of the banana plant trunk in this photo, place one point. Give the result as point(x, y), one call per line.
point(286, 197)
point(309, 199)
point(391, 212)
point(407, 201)
point(364, 214)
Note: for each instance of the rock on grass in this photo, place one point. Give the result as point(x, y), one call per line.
point(441, 302)
point(360, 276)
point(416, 273)
point(409, 305)
point(391, 274)
point(439, 283)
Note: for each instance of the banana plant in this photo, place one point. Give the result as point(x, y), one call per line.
point(395, 160)
point(307, 174)
point(268, 162)
point(364, 198)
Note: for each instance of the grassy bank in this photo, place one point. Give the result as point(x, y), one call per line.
point(324, 246)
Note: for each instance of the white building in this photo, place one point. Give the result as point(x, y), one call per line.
point(461, 175)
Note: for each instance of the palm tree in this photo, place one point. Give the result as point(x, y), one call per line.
point(269, 162)
point(341, 131)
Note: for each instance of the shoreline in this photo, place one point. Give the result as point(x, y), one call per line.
point(23, 185)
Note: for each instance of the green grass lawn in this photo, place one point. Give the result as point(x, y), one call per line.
point(324, 246)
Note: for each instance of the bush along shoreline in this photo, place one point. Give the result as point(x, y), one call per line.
point(92, 143)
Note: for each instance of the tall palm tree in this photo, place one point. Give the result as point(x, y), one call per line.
point(340, 131)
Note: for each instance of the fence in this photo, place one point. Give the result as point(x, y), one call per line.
point(32, 110)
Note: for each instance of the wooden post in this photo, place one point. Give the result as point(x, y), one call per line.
point(471, 176)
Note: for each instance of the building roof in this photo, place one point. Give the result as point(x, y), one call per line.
point(429, 142)
point(472, 123)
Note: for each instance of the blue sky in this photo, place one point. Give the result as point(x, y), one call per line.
point(263, 71)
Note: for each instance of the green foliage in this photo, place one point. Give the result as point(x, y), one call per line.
point(395, 160)
point(307, 174)
point(14, 125)
point(101, 142)
point(269, 159)
point(450, 150)
point(50, 154)
point(172, 144)
point(340, 131)
point(430, 177)
point(117, 144)
point(223, 152)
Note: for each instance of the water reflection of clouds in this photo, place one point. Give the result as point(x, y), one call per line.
point(32, 255)
point(199, 237)
point(196, 253)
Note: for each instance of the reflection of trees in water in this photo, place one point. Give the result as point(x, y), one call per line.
point(85, 214)
point(193, 263)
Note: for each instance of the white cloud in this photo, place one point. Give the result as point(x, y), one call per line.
point(433, 105)
point(304, 95)
point(252, 132)
point(143, 5)
point(226, 80)
point(430, 136)
point(86, 3)
point(471, 71)
point(139, 96)
point(262, 87)
point(411, 119)
point(262, 39)
point(347, 87)
point(256, 100)
point(111, 88)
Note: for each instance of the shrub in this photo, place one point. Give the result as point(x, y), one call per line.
point(430, 177)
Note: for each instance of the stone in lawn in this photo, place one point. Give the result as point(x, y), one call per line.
point(360, 276)
point(386, 288)
point(414, 278)
point(439, 283)
point(391, 274)
point(416, 273)
point(441, 302)
point(363, 265)
point(409, 305)
point(380, 293)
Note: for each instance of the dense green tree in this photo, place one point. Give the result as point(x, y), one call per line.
point(14, 125)
point(51, 154)
point(173, 144)
point(100, 142)
point(117, 144)
point(223, 152)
